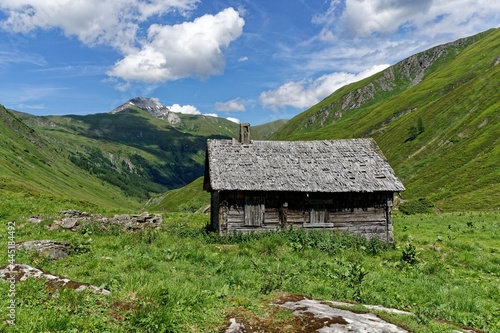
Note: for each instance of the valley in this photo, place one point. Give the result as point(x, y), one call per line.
point(435, 117)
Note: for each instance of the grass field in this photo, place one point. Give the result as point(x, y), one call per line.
point(443, 268)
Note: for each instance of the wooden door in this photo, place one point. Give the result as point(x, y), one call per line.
point(254, 210)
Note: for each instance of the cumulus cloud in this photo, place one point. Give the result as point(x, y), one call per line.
point(182, 50)
point(234, 120)
point(211, 115)
point(186, 109)
point(303, 94)
point(112, 22)
point(361, 18)
point(229, 106)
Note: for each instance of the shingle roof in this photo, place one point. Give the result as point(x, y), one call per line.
point(355, 165)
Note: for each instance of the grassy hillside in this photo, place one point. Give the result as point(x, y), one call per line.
point(435, 116)
point(32, 169)
point(189, 198)
point(264, 131)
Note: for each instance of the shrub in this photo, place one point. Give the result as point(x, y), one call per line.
point(415, 130)
point(409, 254)
point(416, 206)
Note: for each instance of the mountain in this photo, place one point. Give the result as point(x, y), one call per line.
point(150, 105)
point(435, 115)
point(196, 124)
point(136, 150)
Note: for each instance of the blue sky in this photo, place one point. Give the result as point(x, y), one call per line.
point(253, 61)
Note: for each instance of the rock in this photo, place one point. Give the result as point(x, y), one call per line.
point(371, 307)
point(235, 327)
point(21, 272)
point(143, 217)
point(34, 219)
point(69, 222)
point(313, 316)
point(157, 219)
point(340, 321)
point(121, 218)
point(48, 248)
point(70, 213)
point(173, 119)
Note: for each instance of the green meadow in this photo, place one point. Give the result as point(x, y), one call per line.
point(445, 269)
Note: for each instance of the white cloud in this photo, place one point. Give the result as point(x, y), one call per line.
point(112, 22)
point(229, 106)
point(182, 50)
point(168, 52)
point(186, 109)
point(14, 57)
point(211, 115)
point(361, 18)
point(243, 59)
point(234, 120)
point(303, 94)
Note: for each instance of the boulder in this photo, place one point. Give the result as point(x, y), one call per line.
point(47, 248)
point(35, 219)
point(69, 222)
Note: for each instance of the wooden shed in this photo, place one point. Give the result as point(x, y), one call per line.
point(346, 185)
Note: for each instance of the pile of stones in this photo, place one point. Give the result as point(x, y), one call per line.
point(75, 220)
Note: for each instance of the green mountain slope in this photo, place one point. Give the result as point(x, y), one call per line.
point(189, 198)
point(435, 115)
point(32, 167)
point(264, 131)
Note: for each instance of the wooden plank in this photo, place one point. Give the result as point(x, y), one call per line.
point(354, 219)
point(318, 225)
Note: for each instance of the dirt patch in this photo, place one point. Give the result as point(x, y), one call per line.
point(289, 297)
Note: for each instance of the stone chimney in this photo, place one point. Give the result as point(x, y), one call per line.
point(245, 133)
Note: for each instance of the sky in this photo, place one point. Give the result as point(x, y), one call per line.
point(246, 60)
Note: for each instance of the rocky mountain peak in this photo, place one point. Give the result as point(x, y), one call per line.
point(150, 105)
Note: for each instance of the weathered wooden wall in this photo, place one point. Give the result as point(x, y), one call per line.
point(367, 214)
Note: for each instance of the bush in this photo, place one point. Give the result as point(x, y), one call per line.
point(416, 206)
point(415, 130)
point(409, 253)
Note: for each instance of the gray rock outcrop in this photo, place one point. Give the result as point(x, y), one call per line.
point(316, 316)
point(21, 272)
point(47, 248)
point(342, 321)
